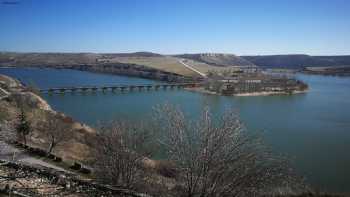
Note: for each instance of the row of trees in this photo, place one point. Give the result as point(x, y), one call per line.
point(211, 158)
point(51, 126)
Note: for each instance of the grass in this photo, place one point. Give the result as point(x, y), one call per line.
point(3, 115)
point(6, 112)
point(204, 67)
point(169, 64)
point(63, 164)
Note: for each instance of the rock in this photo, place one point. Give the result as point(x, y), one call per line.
point(31, 99)
point(9, 82)
point(85, 170)
point(76, 166)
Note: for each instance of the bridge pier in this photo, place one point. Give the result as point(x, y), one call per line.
point(62, 91)
point(94, 89)
point(104, 89)
point(113, 89)
point(50, 92)
point(140, 87)
point(72, 91)
point(83, 89)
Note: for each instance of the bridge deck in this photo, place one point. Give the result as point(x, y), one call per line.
point(120, 87)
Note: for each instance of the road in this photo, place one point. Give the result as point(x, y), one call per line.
point(193, 69)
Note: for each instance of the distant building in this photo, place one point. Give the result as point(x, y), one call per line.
point(257, 82)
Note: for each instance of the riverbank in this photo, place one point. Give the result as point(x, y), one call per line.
point(264, 93)
point(77, 148)
point(343, 71)
point(37, 111)
point(271, 93)
point(123, 69)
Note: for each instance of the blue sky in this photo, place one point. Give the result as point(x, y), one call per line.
point(242, 27)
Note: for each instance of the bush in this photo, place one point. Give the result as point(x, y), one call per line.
point(119, 151)
point(220, 158)
point(166, 169)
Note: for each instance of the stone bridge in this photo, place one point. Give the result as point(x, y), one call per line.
point(121, 88)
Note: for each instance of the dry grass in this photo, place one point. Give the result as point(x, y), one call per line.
point(74, 149)
point(204, 67)
point(6, 113)
point(169, 64)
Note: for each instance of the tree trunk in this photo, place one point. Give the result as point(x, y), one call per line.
point(24, 139)
point(52, 145)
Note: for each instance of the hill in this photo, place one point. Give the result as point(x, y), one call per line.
point(172, 64)
point(298, 61)
point(217, 59)
point(28, 59)
point(203, 62)
point(147, 59)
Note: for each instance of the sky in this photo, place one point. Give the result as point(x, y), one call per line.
point(242, 27)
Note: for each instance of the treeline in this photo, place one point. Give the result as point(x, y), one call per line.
point(134, 71)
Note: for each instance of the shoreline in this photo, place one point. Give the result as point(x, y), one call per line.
point(83, 133)
point(122, 69)
point(270, 93)
point(203, 91)
point(326, 74)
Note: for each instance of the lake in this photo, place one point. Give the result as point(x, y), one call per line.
point(312, 128)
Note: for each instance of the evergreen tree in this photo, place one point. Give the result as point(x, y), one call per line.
point(23, 127)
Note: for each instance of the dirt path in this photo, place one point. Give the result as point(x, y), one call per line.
point(3, 93)
point(9, 152)
point(193, 69)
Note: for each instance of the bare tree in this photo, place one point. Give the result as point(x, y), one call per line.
point(55, 129)
point(219, 158)
point(120, 150)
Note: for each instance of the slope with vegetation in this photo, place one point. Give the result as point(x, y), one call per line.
point(218, 59)
point(201, 61)
point(148, 60)
point(157, 62)
point(164, 63)
point(37, 125)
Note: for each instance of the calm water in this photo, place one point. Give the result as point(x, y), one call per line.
point(312, 128)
